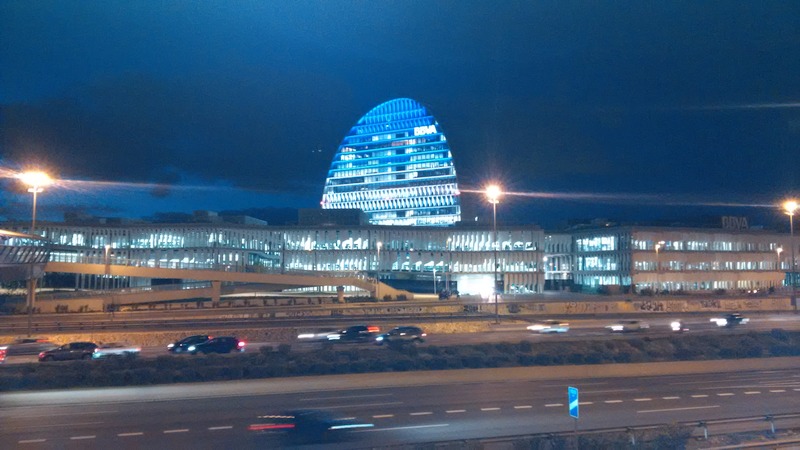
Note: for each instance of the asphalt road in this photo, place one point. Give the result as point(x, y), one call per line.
point(217, 415)
point(580, 329)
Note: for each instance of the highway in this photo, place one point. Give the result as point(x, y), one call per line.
point(404, 408)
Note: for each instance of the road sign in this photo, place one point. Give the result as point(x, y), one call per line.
point(573, 401)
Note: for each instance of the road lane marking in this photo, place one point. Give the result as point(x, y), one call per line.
point(751, 392)
point(676, 409)
point(423, 413)
point(343, 397)
point(725, 394)
point(523, 407)
point(646, 399)
point(796, 389)
point(550, 405)
point(179, 430)
point(78, 438)
point(777, 390)
point(699, 396)
point(454, 411)
point(369, 430)
point(674, 397)
point(383, 416)
point(31, 441)
point(224, 427)
point(490, 409)
point(136, 433)
point(363, 405)
point(586, 403)
point(612, 401)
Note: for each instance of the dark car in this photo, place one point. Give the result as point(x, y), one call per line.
point(73, 350)
point(730, 320)
point(356, 333)
point(400, 335)
point(182, 345)
point(308, 426)
point(224, 344)
point(29, 346)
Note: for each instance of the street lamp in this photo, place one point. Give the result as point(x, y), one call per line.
point(658, 265)
point(493, 194)
point(35, 181)
point(789, 208)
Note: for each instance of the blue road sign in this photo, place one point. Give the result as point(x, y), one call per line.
point(573, 401)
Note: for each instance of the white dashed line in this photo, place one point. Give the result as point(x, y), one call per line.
point(777, 390)
point(490, 409)
point(383, 416)
point(137, 433)
point(454, 411)
point(796, 389)
point(677, 409)
point(226, 427)
point(699, 396)
point(586, 403)
point(523, 407)
point(423, 413)
point(612, 401)
point(671, 398)
point(751, 392)
point(78, 438)
point(643, 399)
point(371, 430)
point(31, 441)
point(550, 405)
point(180, 430)
point(725, 394)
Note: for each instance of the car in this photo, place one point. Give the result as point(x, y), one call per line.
point(222, 344)
point(730, 320)
point(356, 333)
point(308, 426)
point(549, 326)
point(401, 335)
point(71, 351)
point(29, 346)
point(316, 335)
point(678, 326)
point(627, 326)
point(182, 345)
point(115, 350)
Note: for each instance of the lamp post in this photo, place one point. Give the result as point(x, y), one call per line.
point(493, 194)
point(658, 265)
point(35, 181)
point(790, 207)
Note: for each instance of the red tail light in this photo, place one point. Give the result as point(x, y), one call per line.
point(373, 329)
point(270, 426)
point(41, 355)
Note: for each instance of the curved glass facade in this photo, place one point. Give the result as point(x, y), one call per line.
point(396, 166)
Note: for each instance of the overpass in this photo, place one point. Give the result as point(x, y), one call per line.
point(217, 277)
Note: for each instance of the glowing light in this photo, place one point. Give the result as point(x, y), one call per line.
point(35, 179)
point(493, 193)
point(790, 207)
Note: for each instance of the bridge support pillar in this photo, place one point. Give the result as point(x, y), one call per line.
point(215, 293)
point(340, 294)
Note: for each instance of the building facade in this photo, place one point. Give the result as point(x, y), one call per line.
point(395, 165)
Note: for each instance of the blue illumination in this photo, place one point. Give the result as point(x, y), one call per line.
point(396, 166)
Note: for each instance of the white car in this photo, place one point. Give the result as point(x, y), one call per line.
point(626, 326)
point(549, 326)
point(115, 350)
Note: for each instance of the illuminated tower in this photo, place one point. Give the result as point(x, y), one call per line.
point(396, 166)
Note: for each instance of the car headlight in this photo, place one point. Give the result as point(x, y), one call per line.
point(170, 345)
point(192, 348)
point(379, 338)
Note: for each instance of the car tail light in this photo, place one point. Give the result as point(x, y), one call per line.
point(241, 343)
point(373, 329)
point(270, 426)
point(41, 355)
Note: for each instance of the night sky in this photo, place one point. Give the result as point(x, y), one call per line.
point(632, 111)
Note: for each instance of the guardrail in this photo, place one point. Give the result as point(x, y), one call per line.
point(758, 423)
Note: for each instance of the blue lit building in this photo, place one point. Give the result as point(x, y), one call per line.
point(396, 166)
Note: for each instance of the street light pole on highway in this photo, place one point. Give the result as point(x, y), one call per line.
point(493, 194)
point(790, 207)
point(35, 181)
